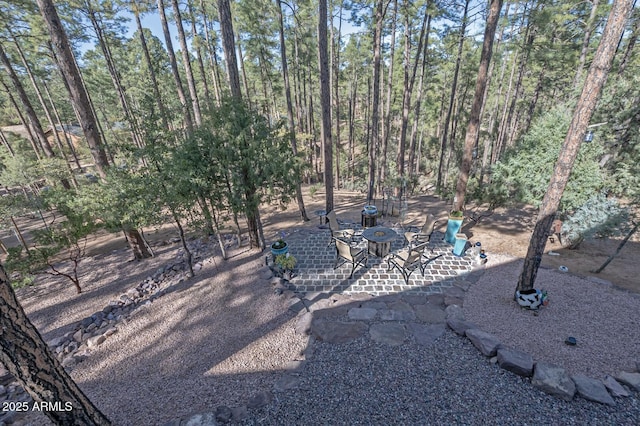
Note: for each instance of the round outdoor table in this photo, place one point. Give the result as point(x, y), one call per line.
point(379, 238)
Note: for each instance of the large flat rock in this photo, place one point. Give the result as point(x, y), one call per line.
point(460, 326)
point(337, 331)
point(592, 389)
point(455, 312)
point(426, 334)
point(629, 379)
point(518, 362)
point(486, 343)
point(399, 310)
point(553, 380)
point(362, 314)
point(614, 387)
point(392, 334)
point(430, 313)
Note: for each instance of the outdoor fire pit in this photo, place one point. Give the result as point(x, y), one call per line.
point(379, 239)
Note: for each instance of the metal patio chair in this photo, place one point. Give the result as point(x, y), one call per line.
point(416, 236)
point(348, 254)
point(407, 260)
point(336, 232)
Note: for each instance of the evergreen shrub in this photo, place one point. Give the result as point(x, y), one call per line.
point(598, 217)
point(524, 171)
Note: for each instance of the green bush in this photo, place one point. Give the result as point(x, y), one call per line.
point(22, 267)
point(524, 172)
point(598, 217)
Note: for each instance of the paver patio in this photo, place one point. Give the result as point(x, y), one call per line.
point(315, 272)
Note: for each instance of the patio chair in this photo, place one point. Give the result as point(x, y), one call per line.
point(426, 259)
point(348, 254)
point(416, 236)
point(407, 260)
point(336, 232)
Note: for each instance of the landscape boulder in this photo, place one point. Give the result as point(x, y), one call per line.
point(518, 362)
point(337, 331)
point(629, 379)
point(460, 326)
point(95, 341)
point(553, 380)
point(614, 387)
point(392, 334)
point(592, 389)
point(486, 343)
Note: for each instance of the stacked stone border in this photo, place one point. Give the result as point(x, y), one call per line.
point(76, 346)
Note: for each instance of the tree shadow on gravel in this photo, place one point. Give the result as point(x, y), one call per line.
point(218, 344)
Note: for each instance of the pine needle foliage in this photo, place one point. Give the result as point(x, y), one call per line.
point(524, 172)
point(598, 217)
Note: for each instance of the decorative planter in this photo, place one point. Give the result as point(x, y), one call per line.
point(453, 227)
point(460, 245)
point(278, 251)
point(531, 299)
point(370, 210)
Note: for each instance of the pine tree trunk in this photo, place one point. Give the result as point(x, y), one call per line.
point(352, 117)
point(223, 250)
point(115, 77)
point(28, 358)
point(585, 44)
point(198, 50)
point(183, 240)
point(511, 121)
point(413, 164)
point(164, 116)
point(228, 44)
point(406, 104)
point(67, 140)
point(335, 66)
point(409, 84)
point(300, 96)
point(188, 122)
point(502, 129)
point(508, 123)
point(386, 123)
point(47, 113)
point(452, 97)
point(213, 57)
point(631, 42)
point(137, 244)
point(380, 12)
point(77, 90)
point(287, 94)
point(474, 120)
point(245, 81)
point(6, 143)
point(591, 91)
point(19, 235)
point(34, 121)
point(32, 139)
point(325, 103)
point(195, 103)
point(451, 151)
point(535, 98)
point(487, 143)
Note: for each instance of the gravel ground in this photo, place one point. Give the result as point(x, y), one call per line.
point(364, 383)
point(222, 336)
point(603, 319)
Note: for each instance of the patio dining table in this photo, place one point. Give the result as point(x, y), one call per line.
point(379, 240)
